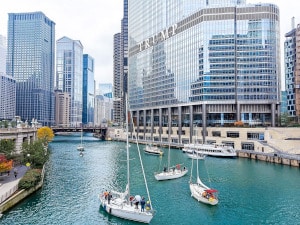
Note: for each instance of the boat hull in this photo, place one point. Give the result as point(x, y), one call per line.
point(169, 175)
point(119, 208)
point(198, 191)
point(210, 150)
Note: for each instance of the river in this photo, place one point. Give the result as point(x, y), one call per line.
point(250, 192)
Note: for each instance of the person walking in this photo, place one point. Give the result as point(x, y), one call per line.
point(143, 204)
point(109, 197)
point(15, 172)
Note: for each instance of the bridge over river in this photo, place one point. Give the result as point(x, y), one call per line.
point(98, 131)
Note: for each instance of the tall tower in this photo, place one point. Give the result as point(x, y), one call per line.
point(88, 90)
point(69, 75)
point(7, 86)
point(30, 61)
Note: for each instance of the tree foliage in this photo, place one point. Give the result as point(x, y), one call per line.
point(45, 134)
point(35, 153)
point(7, 147)
point(30, 179)
point(5, 165)
point(238, 123)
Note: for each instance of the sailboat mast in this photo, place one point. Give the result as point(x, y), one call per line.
point(127, 147)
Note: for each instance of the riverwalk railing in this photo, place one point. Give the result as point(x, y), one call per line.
point(8, 193)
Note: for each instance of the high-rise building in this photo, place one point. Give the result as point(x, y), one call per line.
point(88, 90)
point(62, 108)
point(121, 67)
point(202, 63)
point(7, 86)
point(69, 75)
point(292, 71)
point(30, 61)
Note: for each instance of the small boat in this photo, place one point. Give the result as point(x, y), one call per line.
point(196, 155)
point(217, 150)
point(201, 192)
point(170, 173)
point(153, 150)
point(81, 153)
point(122, 204)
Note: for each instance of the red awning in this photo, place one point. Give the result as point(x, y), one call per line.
point(211, 191)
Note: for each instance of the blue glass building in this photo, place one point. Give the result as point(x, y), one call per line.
point(202, 63)
point(69, 75)
point(88, 89)
point(30, 61)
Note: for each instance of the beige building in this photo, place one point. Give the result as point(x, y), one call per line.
point(62, 108)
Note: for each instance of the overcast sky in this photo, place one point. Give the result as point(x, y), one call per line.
point(94, 22)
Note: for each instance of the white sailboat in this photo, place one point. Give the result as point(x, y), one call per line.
point(201, 192)
point(120, 204)
point(169, 173)
point(81, 147)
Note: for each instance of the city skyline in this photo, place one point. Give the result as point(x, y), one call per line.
point(100, 45)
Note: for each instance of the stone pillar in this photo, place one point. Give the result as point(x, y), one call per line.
point(204, 115)
point(179, 124)
point(144, 121)
point(169, 124)
point(152, 124)
point(238, 112)
point(160, 123)
point(191, 124)
point(273, 114)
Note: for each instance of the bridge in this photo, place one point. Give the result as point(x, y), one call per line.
point(98, 131)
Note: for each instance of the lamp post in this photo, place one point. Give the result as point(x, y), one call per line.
point(28, 161)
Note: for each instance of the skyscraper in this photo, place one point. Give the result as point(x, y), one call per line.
point(292, 71)
point(69, 75)
point(198, 63)
point(88, 90)
point(30, 61)
point(7, 86)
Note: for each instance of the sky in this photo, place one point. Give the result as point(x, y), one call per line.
point(94, 22)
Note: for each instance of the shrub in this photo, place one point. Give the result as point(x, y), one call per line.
point(31, 178)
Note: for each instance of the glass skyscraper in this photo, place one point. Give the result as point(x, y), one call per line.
point(69, 75)
point(88, 90)
point(199, 63)
point(30, 61)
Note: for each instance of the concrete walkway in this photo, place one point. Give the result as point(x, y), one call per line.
point(8, 184)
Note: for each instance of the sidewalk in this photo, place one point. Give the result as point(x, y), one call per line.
point(9, 184)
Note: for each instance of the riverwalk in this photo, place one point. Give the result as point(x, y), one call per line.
point(9, 184)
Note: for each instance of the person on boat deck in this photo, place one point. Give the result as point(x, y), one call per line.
point(178, 166)
point(148, 206)
point(109, 196)
point(165, 169)
point(136, 204)
point(143, 204)
point(105, 194)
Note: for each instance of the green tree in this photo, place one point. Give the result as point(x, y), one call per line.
point(7, 147)
point(35, 153)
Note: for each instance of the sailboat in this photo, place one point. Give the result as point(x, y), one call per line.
point(80, 147)
point(169, 173)
point(153, 150)
point(120, 204)
point(201, 192)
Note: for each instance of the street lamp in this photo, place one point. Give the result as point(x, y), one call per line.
point(28, 163)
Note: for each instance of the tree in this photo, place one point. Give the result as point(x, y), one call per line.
point(238, 123)
point(45, 134)
point(7, 147)
point(34, 153)
point(5, 165)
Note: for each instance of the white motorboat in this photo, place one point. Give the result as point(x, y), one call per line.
point(217, 150)
point(169, 173)
point(201, 192)
point(153, 150)
point(120, 204)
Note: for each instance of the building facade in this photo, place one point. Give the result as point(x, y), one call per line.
point(69, 75)
point(30, 61)
point(62, 108)
point(88, 90)
point(292, 71)
point(202, 63)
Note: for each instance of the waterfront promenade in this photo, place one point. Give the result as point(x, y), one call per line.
point(9, 184)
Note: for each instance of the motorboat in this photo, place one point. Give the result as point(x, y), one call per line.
point(217, 150)
point(196, 155)
point(153, 150)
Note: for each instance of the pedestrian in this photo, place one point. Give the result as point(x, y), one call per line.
point(143, 204)
point(136, 204)
point(105, 194)
point(16, 172)
point(109, 197)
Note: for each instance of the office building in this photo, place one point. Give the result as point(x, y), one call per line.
point(69, 75)
point(292, 71)
point(30, 61)
point(88, 90)
point(202, 63)
point(62, 108)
